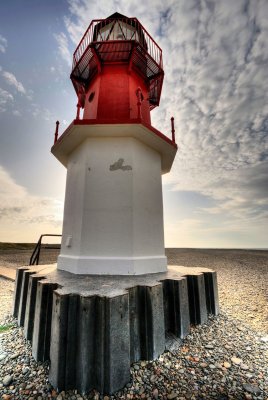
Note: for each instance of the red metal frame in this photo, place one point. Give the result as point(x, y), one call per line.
point(172, 129)
point(141, 52)
point(56, 132)
point(97, 59)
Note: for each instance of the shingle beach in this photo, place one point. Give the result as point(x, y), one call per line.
point(227, 358)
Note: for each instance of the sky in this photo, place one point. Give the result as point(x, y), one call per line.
point(216, 86)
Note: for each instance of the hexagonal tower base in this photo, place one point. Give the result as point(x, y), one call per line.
point(92, 328)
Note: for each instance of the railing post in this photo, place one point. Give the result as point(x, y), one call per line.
point(172, 129)
point(56, 132)
point(78, 111)
point(38, 251)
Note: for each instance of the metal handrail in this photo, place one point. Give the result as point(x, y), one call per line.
point(34, 260)
point(148, 43)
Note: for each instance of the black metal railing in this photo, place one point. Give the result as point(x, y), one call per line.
point(34, 260)
point(104, 30)
point(118, 39)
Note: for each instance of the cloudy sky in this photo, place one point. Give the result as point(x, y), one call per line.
point(216, 87)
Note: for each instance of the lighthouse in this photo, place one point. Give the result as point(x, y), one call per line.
point(113, 214)
point(111, 300)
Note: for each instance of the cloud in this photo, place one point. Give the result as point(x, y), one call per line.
point(6, 99)
point(3, 44)
point(62, 41)
point(12, 81)
point(30, 94)
point(24, 216)
point(243, 194)
point(17, 113)
point(215, 60)
point(216, 66)
point(41, 112)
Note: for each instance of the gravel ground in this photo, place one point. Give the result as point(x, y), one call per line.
point(223, 359)
point(242, 280)
point(13, 259)
point(6, 297)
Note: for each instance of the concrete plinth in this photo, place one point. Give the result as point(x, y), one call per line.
point(92, 328)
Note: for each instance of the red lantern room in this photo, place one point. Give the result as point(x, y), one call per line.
point(117, 71)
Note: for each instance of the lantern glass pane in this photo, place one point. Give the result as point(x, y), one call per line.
point(117, 30)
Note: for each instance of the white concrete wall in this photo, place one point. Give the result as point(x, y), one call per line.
point(113, 209)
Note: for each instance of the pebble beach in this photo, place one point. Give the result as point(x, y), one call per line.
point(227, 358)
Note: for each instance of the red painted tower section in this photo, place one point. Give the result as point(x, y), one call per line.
point(117, 71)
